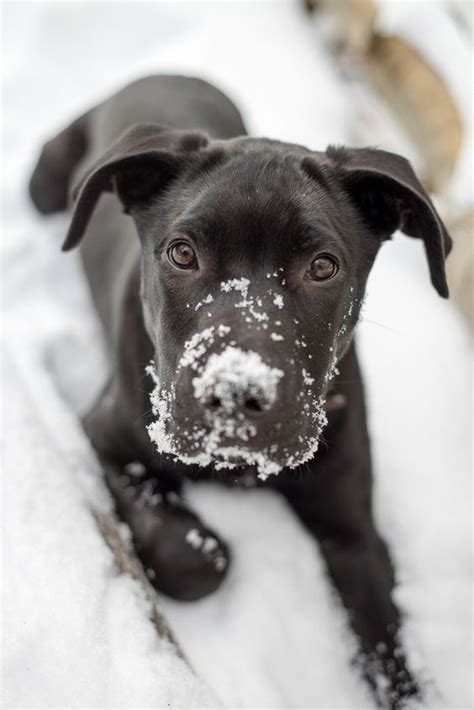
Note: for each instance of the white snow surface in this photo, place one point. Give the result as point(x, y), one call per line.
point(76, 634)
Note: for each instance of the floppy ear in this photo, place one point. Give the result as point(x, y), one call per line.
point(140, 163)
point(389, 196)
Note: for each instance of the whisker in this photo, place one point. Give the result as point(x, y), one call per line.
point(144, 414)
point(143, 376)
point(381, 325)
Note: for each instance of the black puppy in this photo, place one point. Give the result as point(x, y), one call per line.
point(243, 289)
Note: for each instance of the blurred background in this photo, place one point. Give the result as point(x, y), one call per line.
point(395, 75)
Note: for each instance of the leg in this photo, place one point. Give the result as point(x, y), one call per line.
point(359, 565)
point(334, 501)
point(182, 558)
point(362, 572)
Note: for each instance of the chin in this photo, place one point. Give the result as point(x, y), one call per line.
point(209, 448)
point(229, 442)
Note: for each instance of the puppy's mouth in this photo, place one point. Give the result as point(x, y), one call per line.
point(229, 443)
point(223, 441)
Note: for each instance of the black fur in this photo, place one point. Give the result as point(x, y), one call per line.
point(174, 152)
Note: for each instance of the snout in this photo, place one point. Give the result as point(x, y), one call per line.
point(240, 393)
point(234, 406)
point(237, 383)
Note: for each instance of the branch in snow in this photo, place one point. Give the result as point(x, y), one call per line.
point(127, 563)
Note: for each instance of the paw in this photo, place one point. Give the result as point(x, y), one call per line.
point(393, 685)
point(209, 546)
point(184, 559)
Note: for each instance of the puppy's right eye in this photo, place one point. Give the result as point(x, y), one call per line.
point(182, 255)
point(323, 268)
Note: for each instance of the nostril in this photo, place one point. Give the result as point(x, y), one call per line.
point(236, 384)
point(215, 403)
point(252, 405)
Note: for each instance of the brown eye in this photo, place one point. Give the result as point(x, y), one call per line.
point(182, 255)
point(322, 268)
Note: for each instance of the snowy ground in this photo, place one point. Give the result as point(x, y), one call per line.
point(76, 633)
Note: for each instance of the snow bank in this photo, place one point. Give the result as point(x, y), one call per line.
point(76, 633)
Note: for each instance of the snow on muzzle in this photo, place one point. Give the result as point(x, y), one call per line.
point(237, 383)
point(230, 407)
point(232, 389)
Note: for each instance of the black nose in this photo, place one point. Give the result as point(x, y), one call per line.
point(251, 404)
point(237, 383)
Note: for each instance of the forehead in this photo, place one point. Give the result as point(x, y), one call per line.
point(259, 201)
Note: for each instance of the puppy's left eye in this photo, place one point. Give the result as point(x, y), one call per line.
point(182, 255)
point(323, 268)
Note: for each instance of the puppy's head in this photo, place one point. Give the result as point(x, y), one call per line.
point(255, 257)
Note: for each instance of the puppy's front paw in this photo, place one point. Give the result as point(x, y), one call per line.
point(182, 557)
point(394, 686)
point(184, 560)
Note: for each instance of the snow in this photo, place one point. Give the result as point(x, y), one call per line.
point(234, 372)
point(208, 546)
point(228, 376)
point(233, 376)
point(194, 538)
point(77, 634)
point(196, 347)
point(278, 300)
point(209, 299)
point(248, 304)
point(241, 285)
